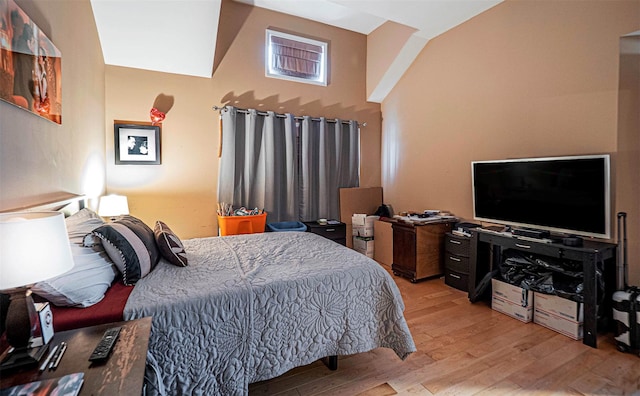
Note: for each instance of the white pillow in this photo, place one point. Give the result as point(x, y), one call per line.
point(81, 223)
point(92, 272)
point(84, 284)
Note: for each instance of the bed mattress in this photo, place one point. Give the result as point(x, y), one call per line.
point(251, 307)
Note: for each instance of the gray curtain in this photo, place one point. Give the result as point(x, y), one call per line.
point(329, 160)
point(258, 165)
point(263, 165)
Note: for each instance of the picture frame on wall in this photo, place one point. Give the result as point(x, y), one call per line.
point(30, 65)
point(137, 144)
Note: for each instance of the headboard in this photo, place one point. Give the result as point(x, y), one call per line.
point(65, 202)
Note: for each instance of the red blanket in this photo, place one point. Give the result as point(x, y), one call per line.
point(108, 310)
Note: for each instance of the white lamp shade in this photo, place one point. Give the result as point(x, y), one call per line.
point(34, 246)
point(113, 205)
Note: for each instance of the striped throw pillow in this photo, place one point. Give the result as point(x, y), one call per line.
point(170, 245)
point(131, 246)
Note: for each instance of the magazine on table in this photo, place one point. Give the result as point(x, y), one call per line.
point(68, 385)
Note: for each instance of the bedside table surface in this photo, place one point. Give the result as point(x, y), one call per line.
point(122, 373)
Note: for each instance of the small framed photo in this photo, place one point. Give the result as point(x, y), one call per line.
point(137, 144)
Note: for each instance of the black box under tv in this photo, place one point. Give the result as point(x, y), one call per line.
point(529, 233)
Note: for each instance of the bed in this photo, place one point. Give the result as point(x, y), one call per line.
point(248, 308)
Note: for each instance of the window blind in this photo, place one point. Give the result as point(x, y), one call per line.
point(296, 59)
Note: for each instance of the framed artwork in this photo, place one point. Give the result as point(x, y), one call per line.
point(137, 144)
point(30, 65)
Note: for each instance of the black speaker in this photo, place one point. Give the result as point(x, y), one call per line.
point(529, 233)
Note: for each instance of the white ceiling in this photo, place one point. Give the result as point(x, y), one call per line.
point(172, 36)
point(179, 36)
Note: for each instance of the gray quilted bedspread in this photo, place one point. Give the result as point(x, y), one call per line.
point(251, 307)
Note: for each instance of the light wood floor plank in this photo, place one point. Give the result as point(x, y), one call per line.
point(500, 388)
point(468, 349)
point(416, 390)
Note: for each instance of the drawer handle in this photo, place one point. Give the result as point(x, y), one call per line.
point(523, 246)
point(454, 258)
point(330, 229)
point(454, 276)
point(455, 242)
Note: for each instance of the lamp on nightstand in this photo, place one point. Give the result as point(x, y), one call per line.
point(34, 246)
point(113, 205)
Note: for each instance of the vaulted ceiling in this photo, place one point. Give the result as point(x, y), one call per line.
point(179, 36)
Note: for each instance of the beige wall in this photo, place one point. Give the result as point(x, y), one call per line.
point(628, 169)
point(38, 156)
point(383, 46)
point(182, 191)
point(525, 78)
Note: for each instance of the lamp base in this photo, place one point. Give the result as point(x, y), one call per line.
point(23, 357)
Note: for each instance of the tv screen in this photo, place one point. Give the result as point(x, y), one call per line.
point(568, 195)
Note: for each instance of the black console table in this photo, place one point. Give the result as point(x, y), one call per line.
point(488, 246)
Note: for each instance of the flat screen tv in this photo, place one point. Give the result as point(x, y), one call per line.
point(567, 195)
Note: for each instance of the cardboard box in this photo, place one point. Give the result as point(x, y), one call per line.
point(515, 310)
point(559, 324)
point(362, 224)
point(363, 220)
point(358, 200)
point(512, 300)
point(363, 245)
point(383, 235)
point(562, 307)
point(559, 314)
point(512, 293)
point(362, 231)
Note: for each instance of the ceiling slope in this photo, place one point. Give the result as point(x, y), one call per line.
point(179, 36)
point(172, 36)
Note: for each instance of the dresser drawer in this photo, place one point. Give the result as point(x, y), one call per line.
point(456, 279)
point(337, 233)
point(458, 245)
point(331, 232)
point(456, 263)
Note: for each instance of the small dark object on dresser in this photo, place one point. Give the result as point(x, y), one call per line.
point(104, 347)
point(572, 241)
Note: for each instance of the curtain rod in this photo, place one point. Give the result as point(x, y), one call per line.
point(245, 111)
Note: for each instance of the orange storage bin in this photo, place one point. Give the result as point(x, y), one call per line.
point(236, 225)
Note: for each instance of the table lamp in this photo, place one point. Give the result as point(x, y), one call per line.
point(34, 246)
point(113, 205)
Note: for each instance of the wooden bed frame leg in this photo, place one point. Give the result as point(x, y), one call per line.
point(331, 362)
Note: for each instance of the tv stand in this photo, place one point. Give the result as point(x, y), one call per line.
point(486, 254)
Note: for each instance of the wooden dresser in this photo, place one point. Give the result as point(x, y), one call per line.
point(418, 249)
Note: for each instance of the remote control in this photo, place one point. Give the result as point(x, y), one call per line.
point(104, 347)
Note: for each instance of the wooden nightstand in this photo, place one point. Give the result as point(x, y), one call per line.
point(418, 249)
point(335, 232)
point(121, 374)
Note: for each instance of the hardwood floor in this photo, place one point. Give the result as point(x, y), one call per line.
point(468, 349)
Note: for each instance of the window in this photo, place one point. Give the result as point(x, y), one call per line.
point(296, 58)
